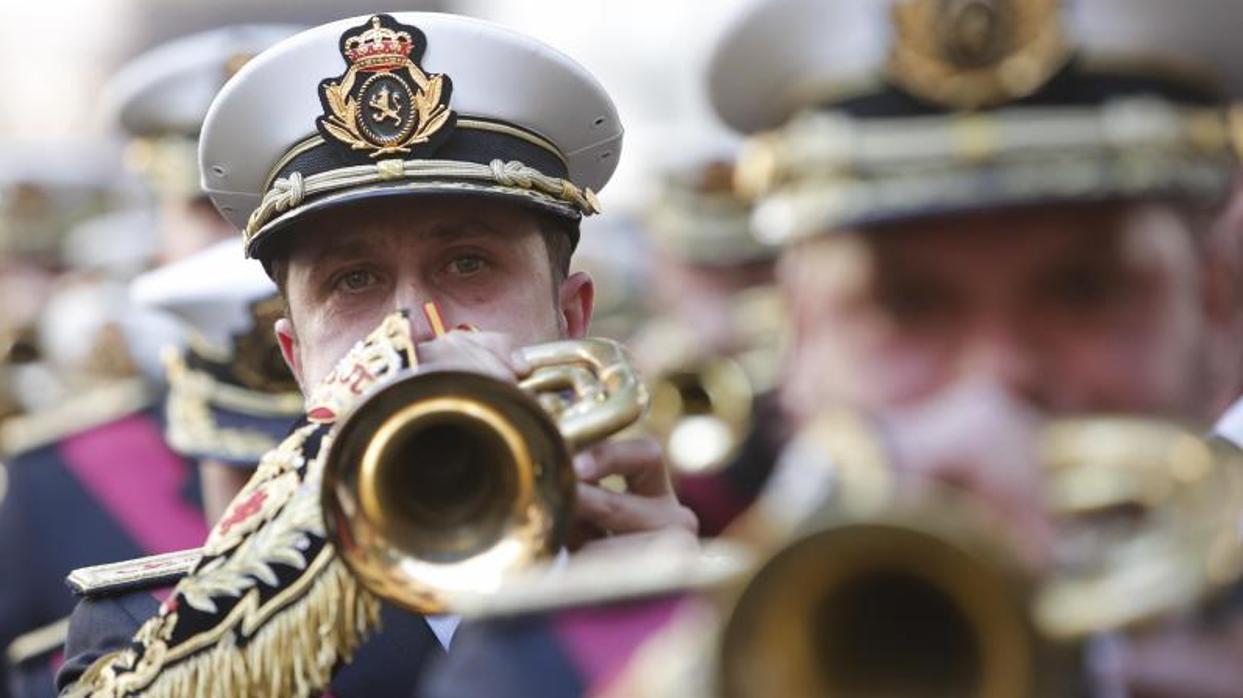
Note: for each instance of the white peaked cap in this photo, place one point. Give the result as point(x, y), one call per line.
point(779, 56)
point(498, 76)
point(167, 89)
point(211, 291)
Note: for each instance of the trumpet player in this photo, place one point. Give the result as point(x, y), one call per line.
point(991, 213)
point(374, 164)
point(711, 349)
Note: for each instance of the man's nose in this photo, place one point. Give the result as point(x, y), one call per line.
point(411, 297)
point(999, 350)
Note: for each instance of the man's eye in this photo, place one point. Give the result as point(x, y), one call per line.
point(916, 303)
point(468, 265)
point(356, 280)
point(1085, 289)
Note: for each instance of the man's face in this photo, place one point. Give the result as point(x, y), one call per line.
point(704, 297)
point(484, 262)
point(1064, 308)
point(188, 225)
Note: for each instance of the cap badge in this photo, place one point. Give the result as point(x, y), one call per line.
point(968, 54)
point(384, 103)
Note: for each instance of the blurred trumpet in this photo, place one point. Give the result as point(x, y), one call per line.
point(912, 601)
point(703, 397)
point(445, 483)
point(924, 598)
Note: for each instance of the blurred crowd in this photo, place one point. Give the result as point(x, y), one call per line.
point(938, 305)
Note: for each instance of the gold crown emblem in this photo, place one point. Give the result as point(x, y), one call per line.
point(968, 54)
point(379, 47)
point(384, 102)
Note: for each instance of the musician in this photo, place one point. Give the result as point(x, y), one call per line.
point(990, 213)
point(715, 313)
point(78, 469)
point(375, 164)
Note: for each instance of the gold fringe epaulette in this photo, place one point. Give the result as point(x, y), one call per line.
point(139, 573)
point(91, 409)
point(269, 609)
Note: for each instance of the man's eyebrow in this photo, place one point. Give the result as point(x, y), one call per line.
point(469, 228)
point(362, 245)
point(355, 246)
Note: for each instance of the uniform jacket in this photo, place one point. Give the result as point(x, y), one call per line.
point(111, 492)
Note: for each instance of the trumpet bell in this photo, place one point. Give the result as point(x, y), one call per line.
point(444, 483)
point(702, 413)
point(883, 608)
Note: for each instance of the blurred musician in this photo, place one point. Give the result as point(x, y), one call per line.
point(712, 346)
point(92, 478)
point(993, 214)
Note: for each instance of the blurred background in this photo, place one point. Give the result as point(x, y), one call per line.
point(648, 53)
point(773, 370)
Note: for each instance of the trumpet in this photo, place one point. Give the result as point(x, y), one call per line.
point(445, 483)
point(702, 405)
point(913, 601)
point(877, 596)
point(702, 412)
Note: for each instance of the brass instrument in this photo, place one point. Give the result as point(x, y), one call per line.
point(908, 602)
point(702, 412)
point(443, 483)
point(925, 598)
point(1148, 516)
point(703, 401)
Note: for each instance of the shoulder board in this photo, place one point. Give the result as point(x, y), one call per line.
point(92, 409)
point(38, 643)
point(140, 573)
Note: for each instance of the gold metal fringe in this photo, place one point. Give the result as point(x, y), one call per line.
point(293, 654)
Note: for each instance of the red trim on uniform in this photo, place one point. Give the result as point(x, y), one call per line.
point(163, 595)
point(600, 641)
point(713, 499)
point(136, 478)
point(57, 660)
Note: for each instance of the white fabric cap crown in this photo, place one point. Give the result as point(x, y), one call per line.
point(167, 90)
point(882, 111)
point(212, 291)
point(404, 104)
point(780, 56)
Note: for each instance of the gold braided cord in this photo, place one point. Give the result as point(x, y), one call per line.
point(205, 388)
point(825, 143)
point(462, 123)
point(288, 193)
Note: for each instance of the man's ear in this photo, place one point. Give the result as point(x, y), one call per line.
point(577, 296)
point(288, 341)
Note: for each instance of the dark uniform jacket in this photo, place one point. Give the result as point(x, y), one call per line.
point(111, 492)
point(560, 654)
